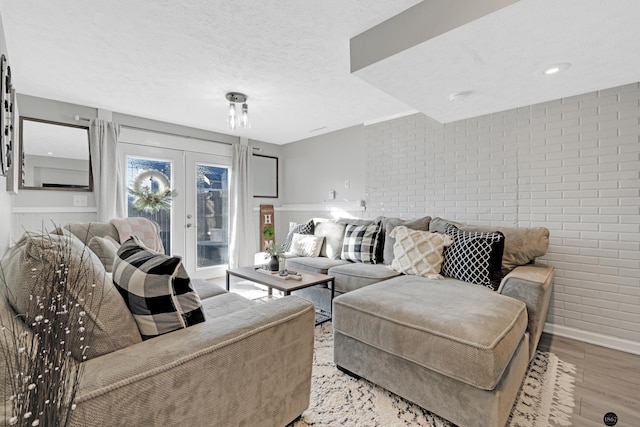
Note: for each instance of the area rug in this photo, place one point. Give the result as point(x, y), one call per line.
point(545, 399)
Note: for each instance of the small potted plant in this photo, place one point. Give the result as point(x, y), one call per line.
point(273, 252)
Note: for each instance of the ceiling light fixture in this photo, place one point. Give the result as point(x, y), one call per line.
point(459, 96)
point(556, 68)
point(235, 120)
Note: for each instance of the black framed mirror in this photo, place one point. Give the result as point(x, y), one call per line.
point(54, 156)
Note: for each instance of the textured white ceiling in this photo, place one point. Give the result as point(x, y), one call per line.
point(174, 60)
point(499, 59)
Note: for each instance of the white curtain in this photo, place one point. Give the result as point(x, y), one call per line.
point(108, 180)
point(242, 246)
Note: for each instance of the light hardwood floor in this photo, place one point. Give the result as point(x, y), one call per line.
point(606, 380)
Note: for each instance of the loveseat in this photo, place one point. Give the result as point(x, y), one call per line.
point(453, 347)
point(247, 364)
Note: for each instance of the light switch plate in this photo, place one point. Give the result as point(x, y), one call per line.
point(79, 201)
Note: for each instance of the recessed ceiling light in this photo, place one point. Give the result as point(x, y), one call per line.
point(50, 153)
point(459, 96)
point(556, 68)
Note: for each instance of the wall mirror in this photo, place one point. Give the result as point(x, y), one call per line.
point(265, 176)
point(55, 156)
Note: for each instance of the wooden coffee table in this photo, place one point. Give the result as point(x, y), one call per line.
point(273, 281)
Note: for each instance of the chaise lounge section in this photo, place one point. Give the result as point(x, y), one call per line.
point(455, 348)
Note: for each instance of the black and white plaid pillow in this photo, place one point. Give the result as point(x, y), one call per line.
point(361, 243)
point(306, 228)
point(474, 257)
point(156, 289)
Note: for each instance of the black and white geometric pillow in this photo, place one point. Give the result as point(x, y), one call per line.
point(474, 257)
point(306, 228)
point(361, 243)
point(156, 289)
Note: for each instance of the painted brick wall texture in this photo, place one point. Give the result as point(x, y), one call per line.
point(571, 165)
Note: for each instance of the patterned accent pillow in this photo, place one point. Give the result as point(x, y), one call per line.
point(474, 257)
point(418, 252)
point(361, 243)
point(156, 289)
point(306, 228)
point(306, 245)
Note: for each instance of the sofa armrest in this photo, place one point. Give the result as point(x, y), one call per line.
point(251, 367)
point(532, 285)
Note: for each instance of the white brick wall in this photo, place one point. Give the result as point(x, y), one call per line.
point(571, 165)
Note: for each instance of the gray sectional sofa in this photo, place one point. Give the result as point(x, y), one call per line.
point(248, 364)
point(457, 349)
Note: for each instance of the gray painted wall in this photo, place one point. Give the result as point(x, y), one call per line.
point(38, 208)
point(317, 165)
point(571, 165)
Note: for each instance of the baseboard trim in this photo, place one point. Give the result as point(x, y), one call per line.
point(621, 344)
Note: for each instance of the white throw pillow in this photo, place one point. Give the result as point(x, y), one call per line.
point(306, 245)
point(417, 252)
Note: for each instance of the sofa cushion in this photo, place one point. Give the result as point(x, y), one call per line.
point(418, 252)
point(438, 225)
point(460, 330)
point(358, 221)
point(522, 245)
point(333, 234)
point(361, 243)
point(388, 224)
point(85, 231)
point(224, 304)
point(105, 249)
point(144, 229)
point(306, 228)
point(355, 275)
point(474, 257)
point(156, 288)
point(206, 289)
point(30, 265)
point(315, 265)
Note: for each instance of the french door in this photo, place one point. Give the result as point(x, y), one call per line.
point(194, 223)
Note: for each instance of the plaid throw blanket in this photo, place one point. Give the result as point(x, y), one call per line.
point(144, 229)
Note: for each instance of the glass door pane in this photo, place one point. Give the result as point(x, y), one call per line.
point(150, 179)
point(212, 215)
point(207, 214)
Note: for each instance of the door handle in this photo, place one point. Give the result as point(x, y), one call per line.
point(189, 225)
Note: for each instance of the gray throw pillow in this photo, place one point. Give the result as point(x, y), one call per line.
point(438, 225)
point(30, 265)
point(105, 249)
point(388, 224)
point(333, 234)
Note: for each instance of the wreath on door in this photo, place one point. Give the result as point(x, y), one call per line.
point(149, 200)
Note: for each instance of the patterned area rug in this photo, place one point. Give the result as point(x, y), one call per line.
point(545, 399)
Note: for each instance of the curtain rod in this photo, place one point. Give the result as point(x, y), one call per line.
point(79, 118)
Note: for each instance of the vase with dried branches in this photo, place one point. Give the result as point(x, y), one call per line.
point(44, 345)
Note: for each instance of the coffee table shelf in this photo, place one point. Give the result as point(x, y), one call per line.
point(272, 281)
